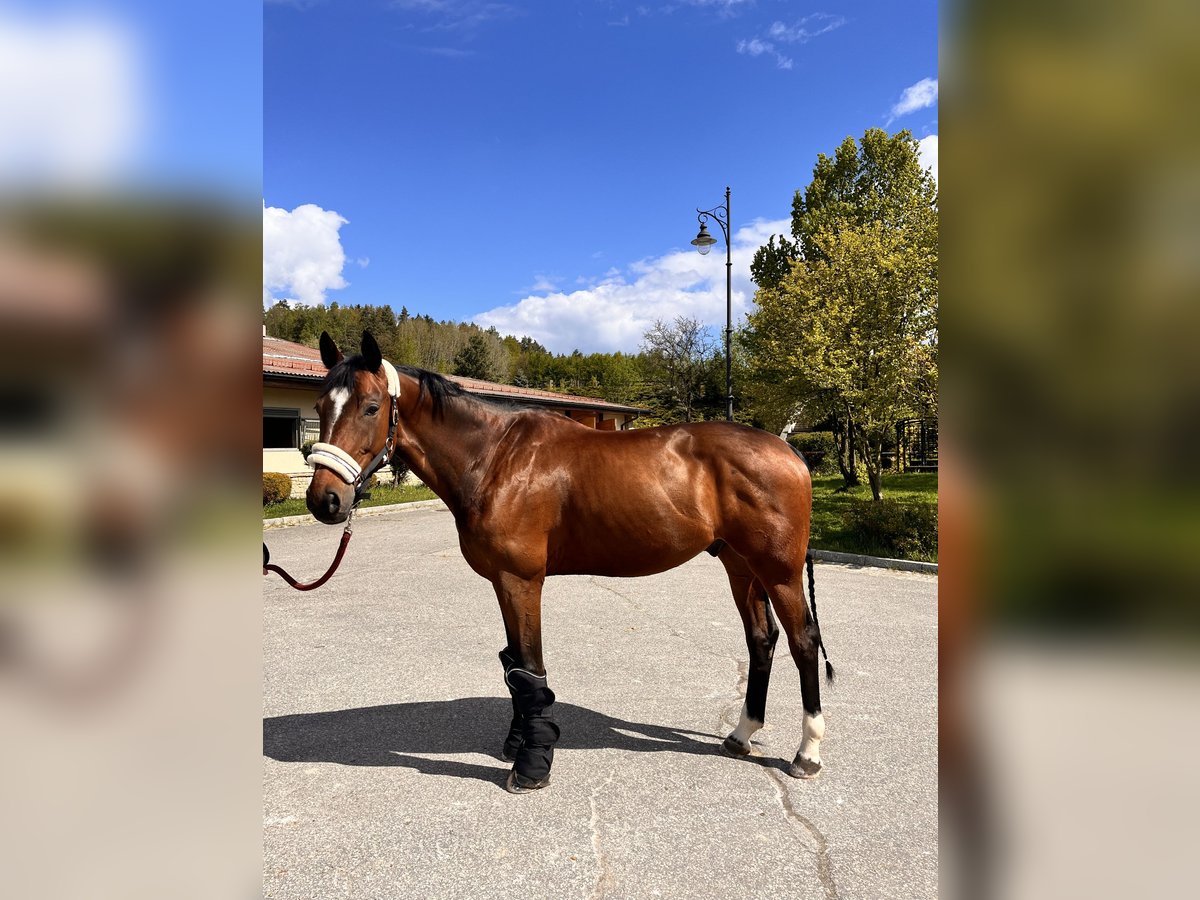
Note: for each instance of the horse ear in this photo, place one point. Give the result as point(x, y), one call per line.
point(330, 354)
point(370, 351)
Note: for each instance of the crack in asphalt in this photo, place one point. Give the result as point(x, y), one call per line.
point(730, 715)
point(782, 795)
point(612, 590)
point(604, 875)
point(824, 864)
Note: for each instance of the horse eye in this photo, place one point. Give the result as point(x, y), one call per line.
point(372, 409)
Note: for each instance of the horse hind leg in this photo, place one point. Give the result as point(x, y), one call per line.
point(761, 634)
point(804, 641)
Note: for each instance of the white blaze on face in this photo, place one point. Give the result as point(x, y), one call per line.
point(338, 398)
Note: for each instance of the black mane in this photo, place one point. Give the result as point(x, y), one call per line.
point(437, 387)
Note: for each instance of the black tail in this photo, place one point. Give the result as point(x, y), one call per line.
point(812, 588)
point(812, 596)
point(799, 454)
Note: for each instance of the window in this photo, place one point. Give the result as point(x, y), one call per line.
point(281, 428)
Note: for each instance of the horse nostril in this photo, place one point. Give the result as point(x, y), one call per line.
point(333, 501)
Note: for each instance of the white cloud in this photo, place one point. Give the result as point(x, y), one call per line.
point(457, 15)
point(724, 7)
point(754, 47)
point(542, 283)
point(302, 254)
point(613, 313)
point(757, 47)
point(928, 149)
point(917, 96)
point(804, 30)
point(799, 32)
point(72, 98)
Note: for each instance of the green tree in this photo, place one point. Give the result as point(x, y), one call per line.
point(857, 327)
point(772, 261)
point(867, 222)
point(475, 359)
point(877, 180)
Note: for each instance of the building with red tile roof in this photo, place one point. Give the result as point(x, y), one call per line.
point(292, 376)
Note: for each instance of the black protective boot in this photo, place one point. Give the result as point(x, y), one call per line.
point(512, 743)
point(534, 701)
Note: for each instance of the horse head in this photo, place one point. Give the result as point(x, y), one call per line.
point(358, 412)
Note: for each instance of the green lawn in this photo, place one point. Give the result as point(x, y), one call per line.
point(382, 495)
point(829, 531)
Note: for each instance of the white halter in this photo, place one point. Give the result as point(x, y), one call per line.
point(342, 463)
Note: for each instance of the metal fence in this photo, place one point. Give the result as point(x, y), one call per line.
point(917, 445)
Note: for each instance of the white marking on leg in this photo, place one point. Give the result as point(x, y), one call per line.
point(746, 727)
point(814, 731)
point(338, 396)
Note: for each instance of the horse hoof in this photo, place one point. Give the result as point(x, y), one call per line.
point(519, 784)
point(731, 746)
point(804, 768)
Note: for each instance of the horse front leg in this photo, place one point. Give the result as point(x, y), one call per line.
point(804, 638)
point(532, 733)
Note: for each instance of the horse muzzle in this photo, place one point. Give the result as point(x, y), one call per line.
point(328, 499)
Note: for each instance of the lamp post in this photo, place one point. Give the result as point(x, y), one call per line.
point(703, 243)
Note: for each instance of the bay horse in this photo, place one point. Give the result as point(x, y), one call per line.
point(535, 494)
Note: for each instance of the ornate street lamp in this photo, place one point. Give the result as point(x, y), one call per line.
point(703, 243)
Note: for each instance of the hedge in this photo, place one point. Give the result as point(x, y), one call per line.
point(906, 530)
point(818, 447)
point(276, 487)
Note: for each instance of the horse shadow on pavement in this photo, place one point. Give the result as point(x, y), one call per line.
point(389, 735)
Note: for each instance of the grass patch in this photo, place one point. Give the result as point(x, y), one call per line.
point(381, 495)
point(831, 510)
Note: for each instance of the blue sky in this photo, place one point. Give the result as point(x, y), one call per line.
point(536, 166)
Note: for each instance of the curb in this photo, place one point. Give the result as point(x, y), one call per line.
point(876, 562)
point(306, 519)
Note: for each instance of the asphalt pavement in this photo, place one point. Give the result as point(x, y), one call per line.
point(384, 711)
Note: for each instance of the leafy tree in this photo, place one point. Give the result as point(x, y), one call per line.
point(529, 345)
point(858, 328)
point(679, 358)
point(772, 261)
point(879, 180)
point(854, 294)
point(475, 360)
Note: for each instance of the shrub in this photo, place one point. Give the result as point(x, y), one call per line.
point(399, 469)
point(306, 448)
point(276, 487)
point(906, 530)
point(818, 447)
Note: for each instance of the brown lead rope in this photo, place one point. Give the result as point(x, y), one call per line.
point(268, 566)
